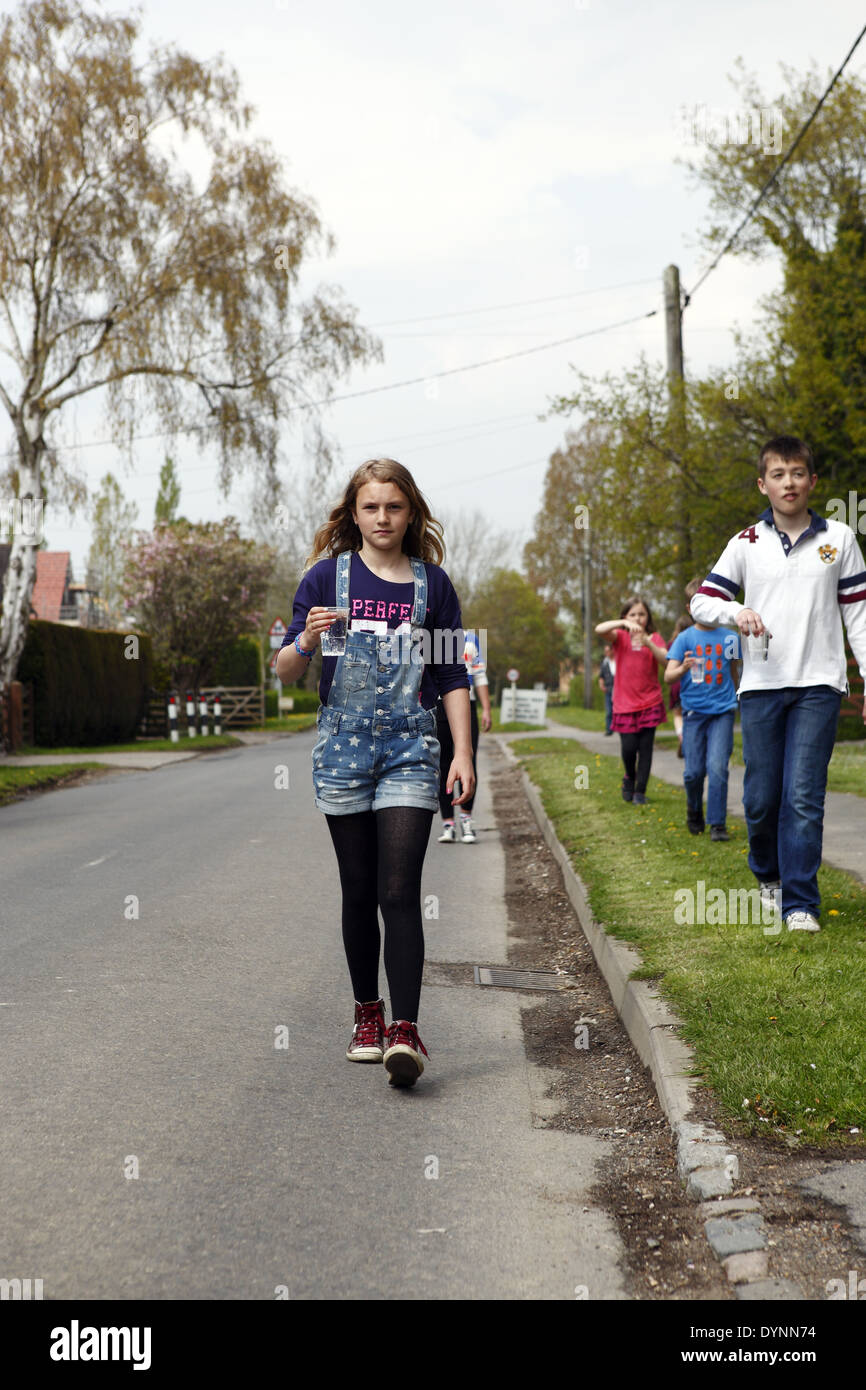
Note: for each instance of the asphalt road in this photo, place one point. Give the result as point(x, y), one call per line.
point(159, 933)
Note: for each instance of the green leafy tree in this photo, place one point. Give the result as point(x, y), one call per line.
point(121, 274)
point(575, 511)
point(196, 588)
point(113, 520)
point(671, 470)
point(473, 551)
point(661, 485)
point(522, 630)
point(804, 371)
point(168, 497)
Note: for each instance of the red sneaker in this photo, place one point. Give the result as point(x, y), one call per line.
point(368, 1035)
point(403, 1050)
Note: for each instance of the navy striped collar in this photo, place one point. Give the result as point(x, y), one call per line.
point(817, 524)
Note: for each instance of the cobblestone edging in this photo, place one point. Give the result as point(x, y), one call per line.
point(734, 1226)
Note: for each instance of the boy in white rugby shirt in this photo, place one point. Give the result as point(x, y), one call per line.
point(801, 575)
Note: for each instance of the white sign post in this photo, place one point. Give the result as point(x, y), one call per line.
point(523, 706)
point(513, 675)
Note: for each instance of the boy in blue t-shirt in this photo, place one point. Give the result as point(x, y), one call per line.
point(709, 705)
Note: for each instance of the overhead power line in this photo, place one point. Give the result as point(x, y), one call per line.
point(528, 416)
point(488, 362)
point(775, 174)
point(393, 385)
point(496, 472)
point(515, 304)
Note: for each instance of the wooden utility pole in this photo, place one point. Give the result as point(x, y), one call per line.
point(674, 322)
point(676, 382)
point(587, 623)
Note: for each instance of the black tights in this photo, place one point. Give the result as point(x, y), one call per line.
point(446, 754)
point(638, 748)
point(381, 854)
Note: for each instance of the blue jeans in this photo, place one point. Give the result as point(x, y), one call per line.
point(608, 709)
point(707, 743)
point(788, 738)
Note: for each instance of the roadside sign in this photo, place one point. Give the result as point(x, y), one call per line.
point(513, 674)
point(276, 633)
point(524, 706)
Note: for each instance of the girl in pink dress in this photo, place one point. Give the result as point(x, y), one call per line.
point(638, 703)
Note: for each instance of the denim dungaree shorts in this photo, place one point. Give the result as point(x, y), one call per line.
point(377, 745)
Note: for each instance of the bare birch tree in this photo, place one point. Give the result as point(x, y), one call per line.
point(117, 266)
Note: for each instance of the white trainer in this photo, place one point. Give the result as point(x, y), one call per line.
point(469, 836)
point(802, 921)
point(449, 834)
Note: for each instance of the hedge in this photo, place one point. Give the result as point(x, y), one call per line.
point(239, 664)
point(306, 701)
point(88, 687)
point(575, 691)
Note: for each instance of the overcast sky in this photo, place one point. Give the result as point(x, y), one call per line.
point(470, 156)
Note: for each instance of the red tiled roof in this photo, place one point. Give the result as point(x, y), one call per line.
point(52, 573)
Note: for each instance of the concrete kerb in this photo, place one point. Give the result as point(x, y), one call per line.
point(705, 1163)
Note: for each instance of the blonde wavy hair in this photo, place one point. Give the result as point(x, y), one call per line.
point(423, 536)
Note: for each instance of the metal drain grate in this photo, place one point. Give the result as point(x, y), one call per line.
point(502, 978)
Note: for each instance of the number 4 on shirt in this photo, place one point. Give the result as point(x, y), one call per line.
point(750, 535)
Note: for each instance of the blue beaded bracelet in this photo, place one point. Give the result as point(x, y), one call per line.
point(299, 649)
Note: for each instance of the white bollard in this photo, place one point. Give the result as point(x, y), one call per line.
point(202, 709)
point(172, 718)
point(190, 715)
point(217, 715)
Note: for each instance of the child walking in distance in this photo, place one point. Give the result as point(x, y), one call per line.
point(476, 670)
point(638, 704)
point(700, 659)
point(674, 702)
point(606, 675)
point(801, 575)
point(376, 759)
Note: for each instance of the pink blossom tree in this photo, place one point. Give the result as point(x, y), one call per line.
point(195, 588)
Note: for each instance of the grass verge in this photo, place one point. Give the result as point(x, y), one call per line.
point(146, 745)
point(846, 773)
point(16, 780)
point(776, 1021)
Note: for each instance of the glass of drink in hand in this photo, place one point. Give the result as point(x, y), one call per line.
point(334, 637)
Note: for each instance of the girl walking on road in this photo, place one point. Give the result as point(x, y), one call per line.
point(376, 760)
point(638, 704)
point(476, 670)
